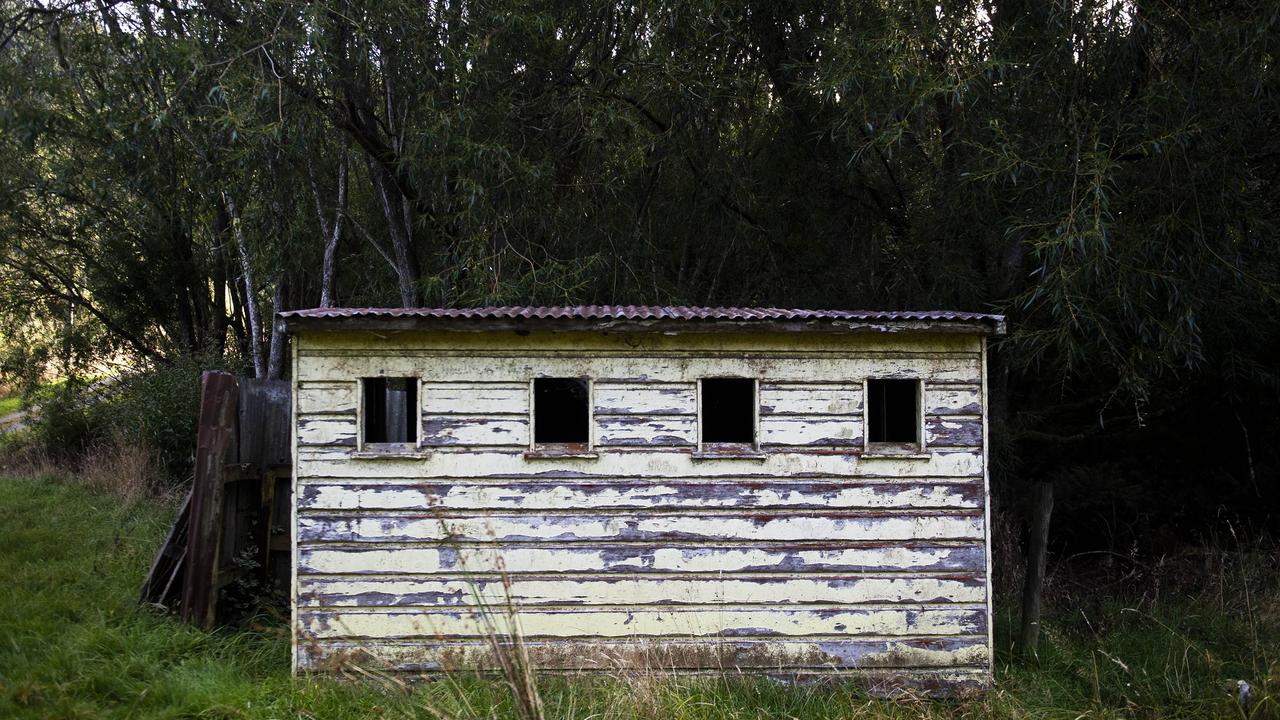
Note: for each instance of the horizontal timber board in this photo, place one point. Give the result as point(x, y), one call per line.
point(645, 398)
point(629, 494)
point(327, 430)
point(475, 430)
point(954, 400)
point(904, 683)
point(605, 341)
point(475, 398)
point(770, 654)
point(792, 525)
point(656, 368)
point(522, 590)
point(953, 431)
point(669, 430)
point(327, 398)
point(333, 461)
point(811, 399)
point(626, 559)
point(641, 622)
point(822, 431)
point(553, 478)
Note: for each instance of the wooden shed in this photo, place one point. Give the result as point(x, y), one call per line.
point(791, 492)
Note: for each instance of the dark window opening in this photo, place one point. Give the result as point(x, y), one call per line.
point(560, 411)
point(390, 410)
point(728, 410)
point(893, 411)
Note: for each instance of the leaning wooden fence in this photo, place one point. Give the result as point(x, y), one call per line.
point(234, 522)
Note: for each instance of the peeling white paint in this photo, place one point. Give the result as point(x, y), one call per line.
point(810, 558)
point(593, 590)
point(643, 622)
point(628, 494)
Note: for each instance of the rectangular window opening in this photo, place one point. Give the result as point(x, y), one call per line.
point(729, 410)
point(390, 414)
point(561, 411)
point(893, 411)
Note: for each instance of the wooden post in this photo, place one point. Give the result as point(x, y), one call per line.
point(1037, 551)
point(218, 396)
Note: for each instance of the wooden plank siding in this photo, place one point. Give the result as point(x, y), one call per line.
point(806, 557)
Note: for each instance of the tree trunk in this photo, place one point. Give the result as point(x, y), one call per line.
point(275, 357)
point(250, 300)
point(400, 227)
point(218, 314)
point(331, 232)
point(1037, 551)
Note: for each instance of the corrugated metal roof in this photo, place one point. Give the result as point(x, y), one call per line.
point(651, 313)
point(643, 312)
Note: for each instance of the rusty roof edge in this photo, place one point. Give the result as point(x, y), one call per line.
point(638, 319)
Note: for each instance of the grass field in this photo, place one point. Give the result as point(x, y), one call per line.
point(10, 403)
point(74, 645)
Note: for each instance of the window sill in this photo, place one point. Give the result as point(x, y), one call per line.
point(391, 452)
point(894, 451)
point(567, 453)
point(728, 451)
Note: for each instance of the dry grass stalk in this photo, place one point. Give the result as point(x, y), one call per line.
point(120, 467)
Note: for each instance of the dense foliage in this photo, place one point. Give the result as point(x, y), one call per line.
point(1104, 172)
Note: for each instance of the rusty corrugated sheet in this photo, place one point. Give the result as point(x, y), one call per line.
point(646, 312)
point(655, 312)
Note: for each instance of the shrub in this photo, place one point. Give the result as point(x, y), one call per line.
point(156, 408)
point(132, 432)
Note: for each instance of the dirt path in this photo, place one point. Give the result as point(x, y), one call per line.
point(13, 421)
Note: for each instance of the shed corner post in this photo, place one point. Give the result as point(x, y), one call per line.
point(293, 509)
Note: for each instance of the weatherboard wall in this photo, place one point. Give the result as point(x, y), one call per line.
point(816, 557)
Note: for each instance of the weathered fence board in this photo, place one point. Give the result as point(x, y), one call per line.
point(218, 395)
point(265, 426)
point(239, 500)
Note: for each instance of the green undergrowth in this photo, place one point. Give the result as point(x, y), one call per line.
point(10, 402)
point(73, 644)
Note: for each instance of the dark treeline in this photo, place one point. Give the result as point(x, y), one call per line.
point(1103, 172)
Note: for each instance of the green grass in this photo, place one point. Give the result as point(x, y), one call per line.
point(10, 403)
point(74, 645)
point(11, 398)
